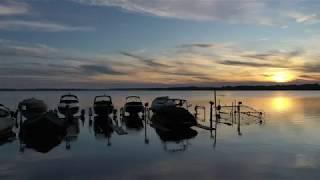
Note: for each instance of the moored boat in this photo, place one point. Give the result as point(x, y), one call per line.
point(133, 105)
point(102, 105)
point(32, 107)
point(163, 103)
point(172, 113)
point(174, 119)
point(69, 105)
point(6, 120)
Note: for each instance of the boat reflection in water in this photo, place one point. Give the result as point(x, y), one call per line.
point(8, 137)
point(41, 131)
point(172, 136)
point(72, 131)
point(133, 122)
point(178, 137)
point(103, 128)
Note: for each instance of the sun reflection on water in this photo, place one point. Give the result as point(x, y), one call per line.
point(281, 104)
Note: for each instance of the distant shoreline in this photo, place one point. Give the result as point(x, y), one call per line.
point(303, 87)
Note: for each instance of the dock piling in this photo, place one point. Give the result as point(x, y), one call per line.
point(211, 113)
point(239, 112)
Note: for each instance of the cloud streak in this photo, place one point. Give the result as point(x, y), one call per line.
point(14, 49)
point(188, 9)
point(250, 64)
point(99, 69)
point(263, 12)
point(11, 7)
point(304, 17)
point(22, 25)
point(147, 61)
point(275, 55)
point(197, 45)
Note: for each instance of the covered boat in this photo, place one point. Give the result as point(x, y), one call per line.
point(43, 133)
point(6, 120)
point(172, 113)
point(32, 107)
point(102, 105)
point(133, 105)
point(161, 104)
point(174, 119)
point(69, 105)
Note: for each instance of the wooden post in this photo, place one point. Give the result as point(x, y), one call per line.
point(211, 113)
point(232, 112)
point(215, 102)
point(146, 117)
point(196, 112)
point(239, 131)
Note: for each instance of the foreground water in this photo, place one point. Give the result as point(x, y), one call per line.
point(286, 146)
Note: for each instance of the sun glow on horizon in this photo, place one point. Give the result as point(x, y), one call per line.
point(282, 77)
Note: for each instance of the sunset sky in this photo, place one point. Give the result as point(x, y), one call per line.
point(158, 43)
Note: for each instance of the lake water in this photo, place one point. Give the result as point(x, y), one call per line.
point(285, 146)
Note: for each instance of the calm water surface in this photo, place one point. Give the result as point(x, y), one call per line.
point(286, 146)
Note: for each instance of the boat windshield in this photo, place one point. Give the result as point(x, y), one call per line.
point(102, 98)
point(69, 99)
point(133, 99)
